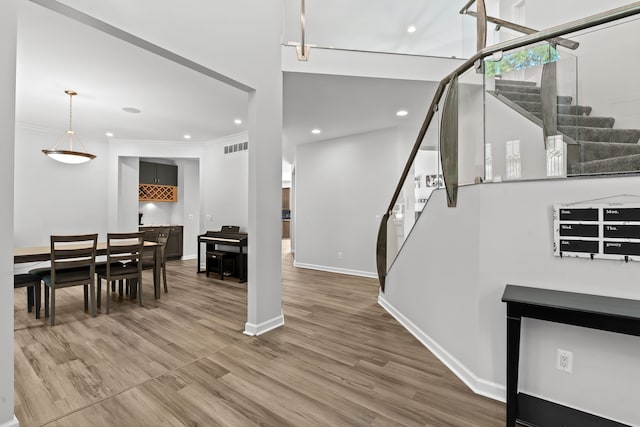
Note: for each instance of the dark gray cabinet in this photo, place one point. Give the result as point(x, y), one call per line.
point(158, 173)
point(174, 244)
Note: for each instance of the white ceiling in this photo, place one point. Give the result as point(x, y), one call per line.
point(381, 26)
point(56, 53)
point(343, 105)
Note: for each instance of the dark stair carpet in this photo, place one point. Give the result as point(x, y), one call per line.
point(602, 149)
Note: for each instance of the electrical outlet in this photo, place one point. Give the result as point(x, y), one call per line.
point(339, 255)
point(564, 361)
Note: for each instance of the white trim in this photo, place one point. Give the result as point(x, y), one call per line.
point(264, 327)
point(477, 385)
point(13, 423)
point(336, 270)
point(186, 257)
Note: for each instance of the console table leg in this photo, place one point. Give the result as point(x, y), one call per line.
point(513, 356)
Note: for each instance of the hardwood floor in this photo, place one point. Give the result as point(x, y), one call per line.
point(339, 360)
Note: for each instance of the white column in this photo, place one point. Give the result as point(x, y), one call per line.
point(264, 299)
point(8, 35)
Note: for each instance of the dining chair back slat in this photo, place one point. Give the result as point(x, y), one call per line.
point(124, 251)
point(73, 263)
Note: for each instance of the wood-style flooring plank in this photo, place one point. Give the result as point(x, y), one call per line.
point(183, 360)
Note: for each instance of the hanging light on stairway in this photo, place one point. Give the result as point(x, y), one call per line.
point(69, 155)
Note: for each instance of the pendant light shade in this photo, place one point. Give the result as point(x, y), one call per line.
point(69, 155)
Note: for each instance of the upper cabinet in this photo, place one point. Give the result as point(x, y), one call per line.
point(158, 182)
point(158, 174)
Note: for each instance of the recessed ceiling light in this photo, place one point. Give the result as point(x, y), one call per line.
point(237, 121)
point(187, 136)
point(316, 131)
point(411, 29)
point(401, 113)
point(131, 110)
point(109, 134)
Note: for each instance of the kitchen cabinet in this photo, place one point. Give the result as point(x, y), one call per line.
point(158, 174)
point(175, 242)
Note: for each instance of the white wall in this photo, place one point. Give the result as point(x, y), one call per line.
point(342, 188)
point(53, 197)
point(128, 179)
point(226, 177)
point(504, 124)
point(502, 234)
point(189, 179)
point(187, 157)
point(8, 24)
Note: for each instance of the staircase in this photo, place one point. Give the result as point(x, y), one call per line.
point(602, 149)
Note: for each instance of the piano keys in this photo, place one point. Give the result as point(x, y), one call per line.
point(227, 236)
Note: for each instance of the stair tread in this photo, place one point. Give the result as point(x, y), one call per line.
point(516, 82)
point(518, 88)
point(532, 97)
point(584, 121)
point(534, 107)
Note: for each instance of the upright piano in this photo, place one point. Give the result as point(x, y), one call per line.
point(227, 236)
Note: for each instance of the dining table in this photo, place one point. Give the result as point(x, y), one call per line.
point(43, 253)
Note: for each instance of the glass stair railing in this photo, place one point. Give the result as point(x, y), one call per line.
point(515, 111)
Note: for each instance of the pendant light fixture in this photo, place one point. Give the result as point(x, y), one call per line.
point(69, 155)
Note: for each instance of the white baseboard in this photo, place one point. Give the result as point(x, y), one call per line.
point(478, 385)
point(12, 423)
point(336, 270)
point(186, 257)
point(264, 327)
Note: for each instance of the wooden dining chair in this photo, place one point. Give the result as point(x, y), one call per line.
point(73, 263)
point(124, 252)
point(32, 283)
point(161, 236)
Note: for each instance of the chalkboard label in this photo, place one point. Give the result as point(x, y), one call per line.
point(621, 214)
point(579, 230)
point(584, 214)
point(584, 246)
point(622, 231)
point(621, 248)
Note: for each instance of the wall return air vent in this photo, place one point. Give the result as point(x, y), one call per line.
point(234, 148)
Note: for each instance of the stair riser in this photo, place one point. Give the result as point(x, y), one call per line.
point(617, 164)
point(590, 151)
point(627, 136)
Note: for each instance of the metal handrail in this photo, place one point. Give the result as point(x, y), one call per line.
point(550, 33)
point(569, 44)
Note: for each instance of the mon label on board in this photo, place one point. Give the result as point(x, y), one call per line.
point(605, 231)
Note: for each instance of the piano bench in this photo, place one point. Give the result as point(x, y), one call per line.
point(219, 257)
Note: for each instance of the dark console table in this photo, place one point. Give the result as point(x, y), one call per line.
point(589, 311)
